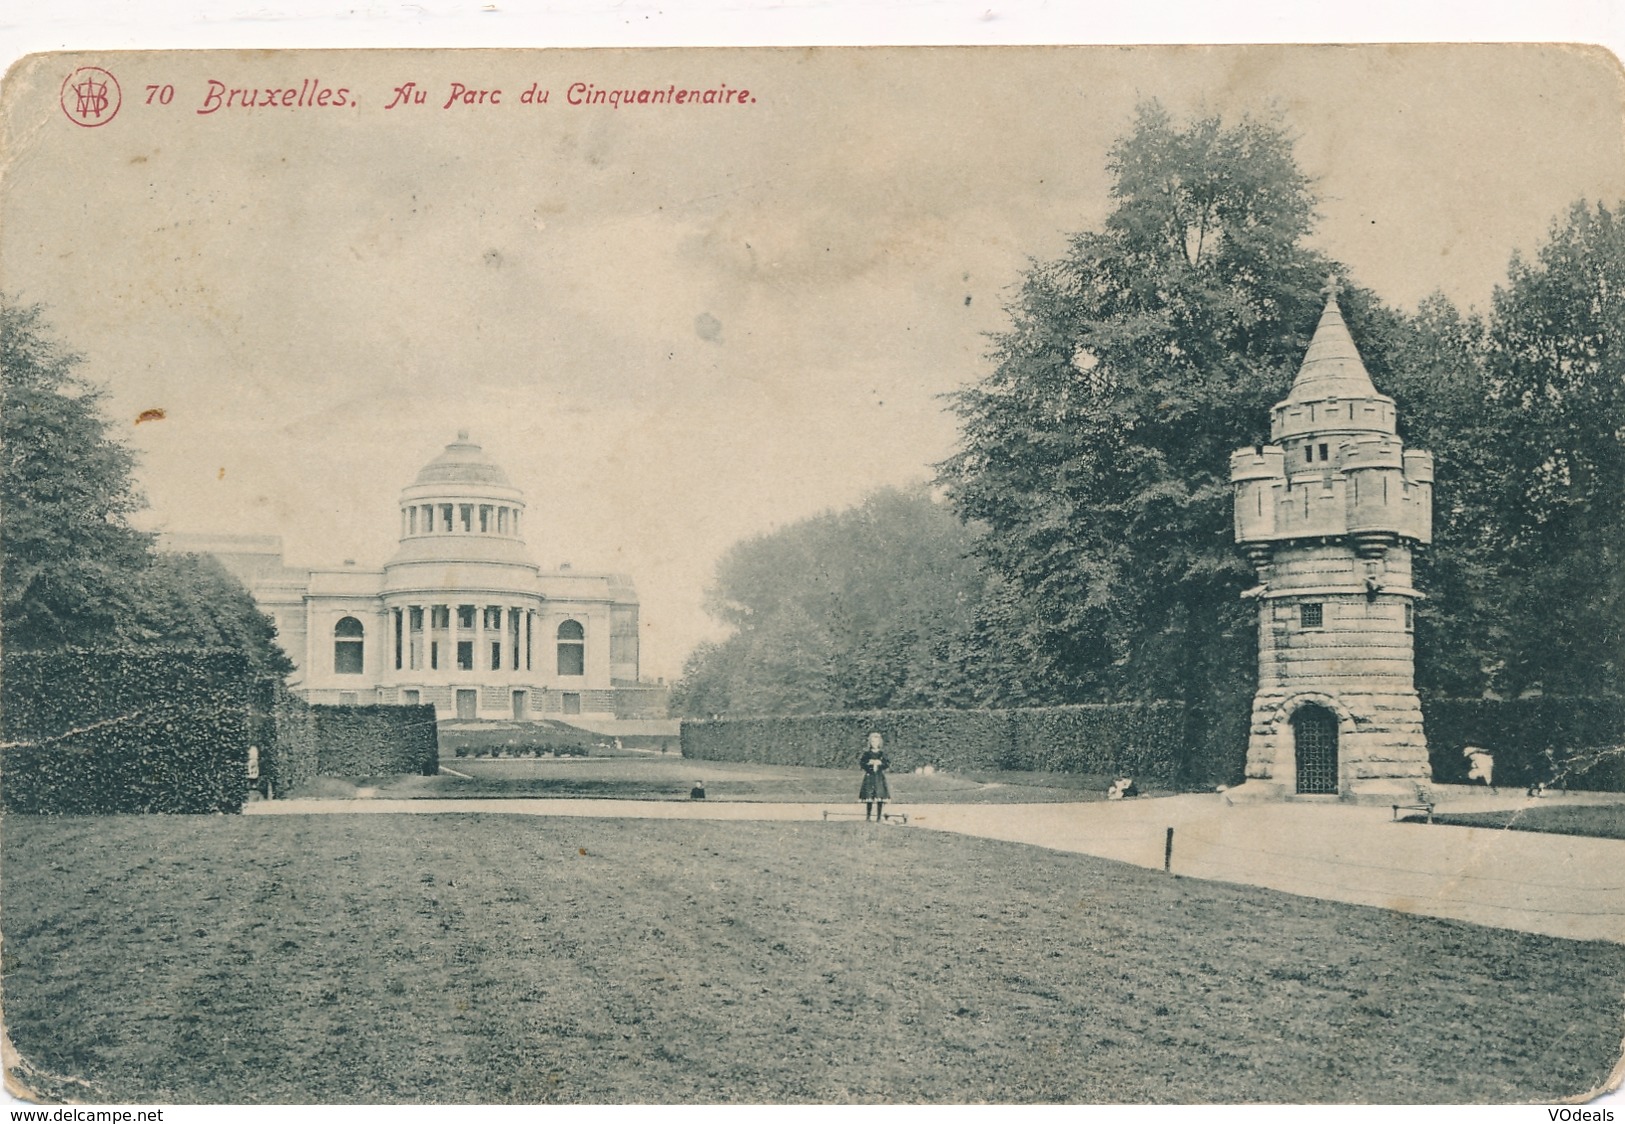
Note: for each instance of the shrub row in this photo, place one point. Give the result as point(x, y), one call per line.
point(1577, 743)
point(1139, 739)
point(528, 749)
point(125, 731)
point(374, 741)
point(289, 752)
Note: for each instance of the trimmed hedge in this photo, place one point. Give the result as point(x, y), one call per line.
point(1142, 740)
point(289, 754)
point(1585, 738)
point(125, 731)
point(376, 741)
point(301, 741)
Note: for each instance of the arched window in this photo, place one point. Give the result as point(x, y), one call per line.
point(572, 649)
point(347, 646)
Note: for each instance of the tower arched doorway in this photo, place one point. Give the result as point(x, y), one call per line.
point(1314, 737)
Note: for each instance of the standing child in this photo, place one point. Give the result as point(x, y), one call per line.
point(874, 792)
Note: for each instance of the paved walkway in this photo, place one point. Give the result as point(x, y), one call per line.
point(1560, 885)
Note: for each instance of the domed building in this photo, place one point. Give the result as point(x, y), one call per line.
point(459, 617)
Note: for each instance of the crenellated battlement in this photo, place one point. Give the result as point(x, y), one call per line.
point(1374, 491)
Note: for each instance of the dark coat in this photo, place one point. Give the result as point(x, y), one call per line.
point(874, 764)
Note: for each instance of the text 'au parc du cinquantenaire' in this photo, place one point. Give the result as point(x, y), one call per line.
point(216, 96)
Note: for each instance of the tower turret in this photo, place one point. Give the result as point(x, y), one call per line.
point(1329, 513)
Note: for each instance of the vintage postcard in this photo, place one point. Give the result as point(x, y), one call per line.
point(1082, 575)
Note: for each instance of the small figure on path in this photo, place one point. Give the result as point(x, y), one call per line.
point(874, 793)
point(1481, 766)
point(698, 791)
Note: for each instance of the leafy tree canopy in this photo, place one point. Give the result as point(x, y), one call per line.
point(849, 610)
point(70, 555)
point(1096, 452)
point(73, 572)
point(1557, 364)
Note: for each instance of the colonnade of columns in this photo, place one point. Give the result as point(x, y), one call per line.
point(460, 518)
point(429, 637)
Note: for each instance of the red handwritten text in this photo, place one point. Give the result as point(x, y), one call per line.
point(585, 93)
point(308, 94)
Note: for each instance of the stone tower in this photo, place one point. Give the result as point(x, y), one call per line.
point(1329, 513)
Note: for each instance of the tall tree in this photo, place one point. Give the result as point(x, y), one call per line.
point(1096, 452)
point(1557, 356)
point(864, 608)
point(69, 554)
point(191, 601)
point(73, 572)
point(1438, 373)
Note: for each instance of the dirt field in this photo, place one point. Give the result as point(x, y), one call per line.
point(521, 959)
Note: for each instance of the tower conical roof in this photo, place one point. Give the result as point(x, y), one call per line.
point(462, 462)
point(1332, 367)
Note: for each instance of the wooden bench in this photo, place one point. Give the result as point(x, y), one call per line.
point(1425, 803)
point(899, 817)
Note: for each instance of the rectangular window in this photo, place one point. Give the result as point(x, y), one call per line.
point(465, 616)
point(571, 660)
point(496, 655)
point(434, 655)
point(412, 520)
point(465, 655)
point(1311, 614)
point(1323, 452)
point(347, 657)
point(572, 703)
point(502, 520)
point(445, 518)
point(485, 519)
point(400, 623)
point(1410, 616)
point(493, 618)
point(442, 616)
point(465, 513)
point(409, 698)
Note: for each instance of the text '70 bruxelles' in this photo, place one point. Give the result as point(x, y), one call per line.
point(313, 94)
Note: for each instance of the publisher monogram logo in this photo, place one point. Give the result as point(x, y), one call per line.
point(91, 96)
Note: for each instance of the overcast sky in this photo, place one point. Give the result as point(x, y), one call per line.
point(678, 327)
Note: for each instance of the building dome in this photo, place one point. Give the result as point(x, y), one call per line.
point(460, 510)
point(462, 462)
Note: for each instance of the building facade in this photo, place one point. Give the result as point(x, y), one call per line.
point(1330, 513)
point(459, 617)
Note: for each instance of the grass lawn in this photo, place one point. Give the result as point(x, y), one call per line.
point(520, 959)
point(653, 777)
point(1604, 821)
